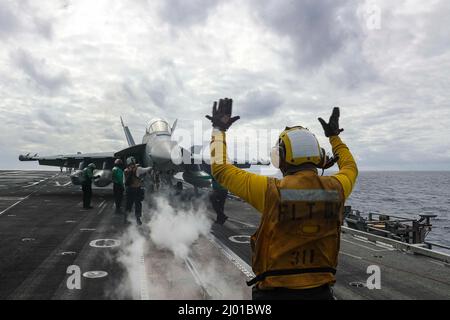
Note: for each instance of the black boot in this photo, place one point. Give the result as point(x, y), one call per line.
point(221, 219)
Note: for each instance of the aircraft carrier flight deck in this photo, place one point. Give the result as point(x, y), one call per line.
point(44, 231)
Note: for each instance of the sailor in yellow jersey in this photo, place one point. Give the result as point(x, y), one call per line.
point(295, 249)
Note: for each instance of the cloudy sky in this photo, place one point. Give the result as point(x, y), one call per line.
point(69, 69)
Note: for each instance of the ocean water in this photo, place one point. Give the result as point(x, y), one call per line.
point(407, 194)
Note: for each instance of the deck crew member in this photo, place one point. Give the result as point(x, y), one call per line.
point(86, 185)
point(295, 249)
point(118, 186)
point(218, 197)
point(134, 190)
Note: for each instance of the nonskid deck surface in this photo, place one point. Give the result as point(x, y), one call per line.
point(43, 231)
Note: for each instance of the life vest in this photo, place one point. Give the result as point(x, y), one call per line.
point(297, 243)
point(131, 179)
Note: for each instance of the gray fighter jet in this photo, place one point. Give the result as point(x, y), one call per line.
point(157, 150)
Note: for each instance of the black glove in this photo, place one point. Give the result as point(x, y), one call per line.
point(332, 128)
point(221, 117)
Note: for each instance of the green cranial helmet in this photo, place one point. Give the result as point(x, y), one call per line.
point(92, 166)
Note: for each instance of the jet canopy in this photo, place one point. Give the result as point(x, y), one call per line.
point(158, 126)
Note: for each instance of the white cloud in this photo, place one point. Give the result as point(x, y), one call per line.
point(69, 69)
point(36, 71)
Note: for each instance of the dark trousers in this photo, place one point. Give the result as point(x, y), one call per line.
point(320, 293)
point(118, 195)
point(134, 196)
point(218, 198)
point(87, 195)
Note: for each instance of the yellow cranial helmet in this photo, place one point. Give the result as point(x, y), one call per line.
point(297, 146)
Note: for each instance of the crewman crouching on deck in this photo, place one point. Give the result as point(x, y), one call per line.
point(118, 186)
point(134, 189)
point(295, 249)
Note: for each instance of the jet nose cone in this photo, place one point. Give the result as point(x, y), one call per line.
point(166, 152)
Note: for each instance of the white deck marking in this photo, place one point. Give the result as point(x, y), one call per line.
point(38, 182)
point(376, 243)
point(436, 262)
point(143, 276)
point(350, 255)
point(95, 274)
point(10, 198)
point(360, 245)
point(33, 184)
point(23, 199)
point(198, 279)
point(103, 206)
point(362, 239)
point(104, 243)
point(15, 204)
point(236, 239)
point(384, 246)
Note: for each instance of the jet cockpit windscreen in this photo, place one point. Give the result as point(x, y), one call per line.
point(158, 126)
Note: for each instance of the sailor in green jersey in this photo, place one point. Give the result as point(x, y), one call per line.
point(86, 186)
point(118, 186)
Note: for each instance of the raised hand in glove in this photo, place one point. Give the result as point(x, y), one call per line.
point(332, 127)
point(221, 116)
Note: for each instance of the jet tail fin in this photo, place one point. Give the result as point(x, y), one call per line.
point(128, 135)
